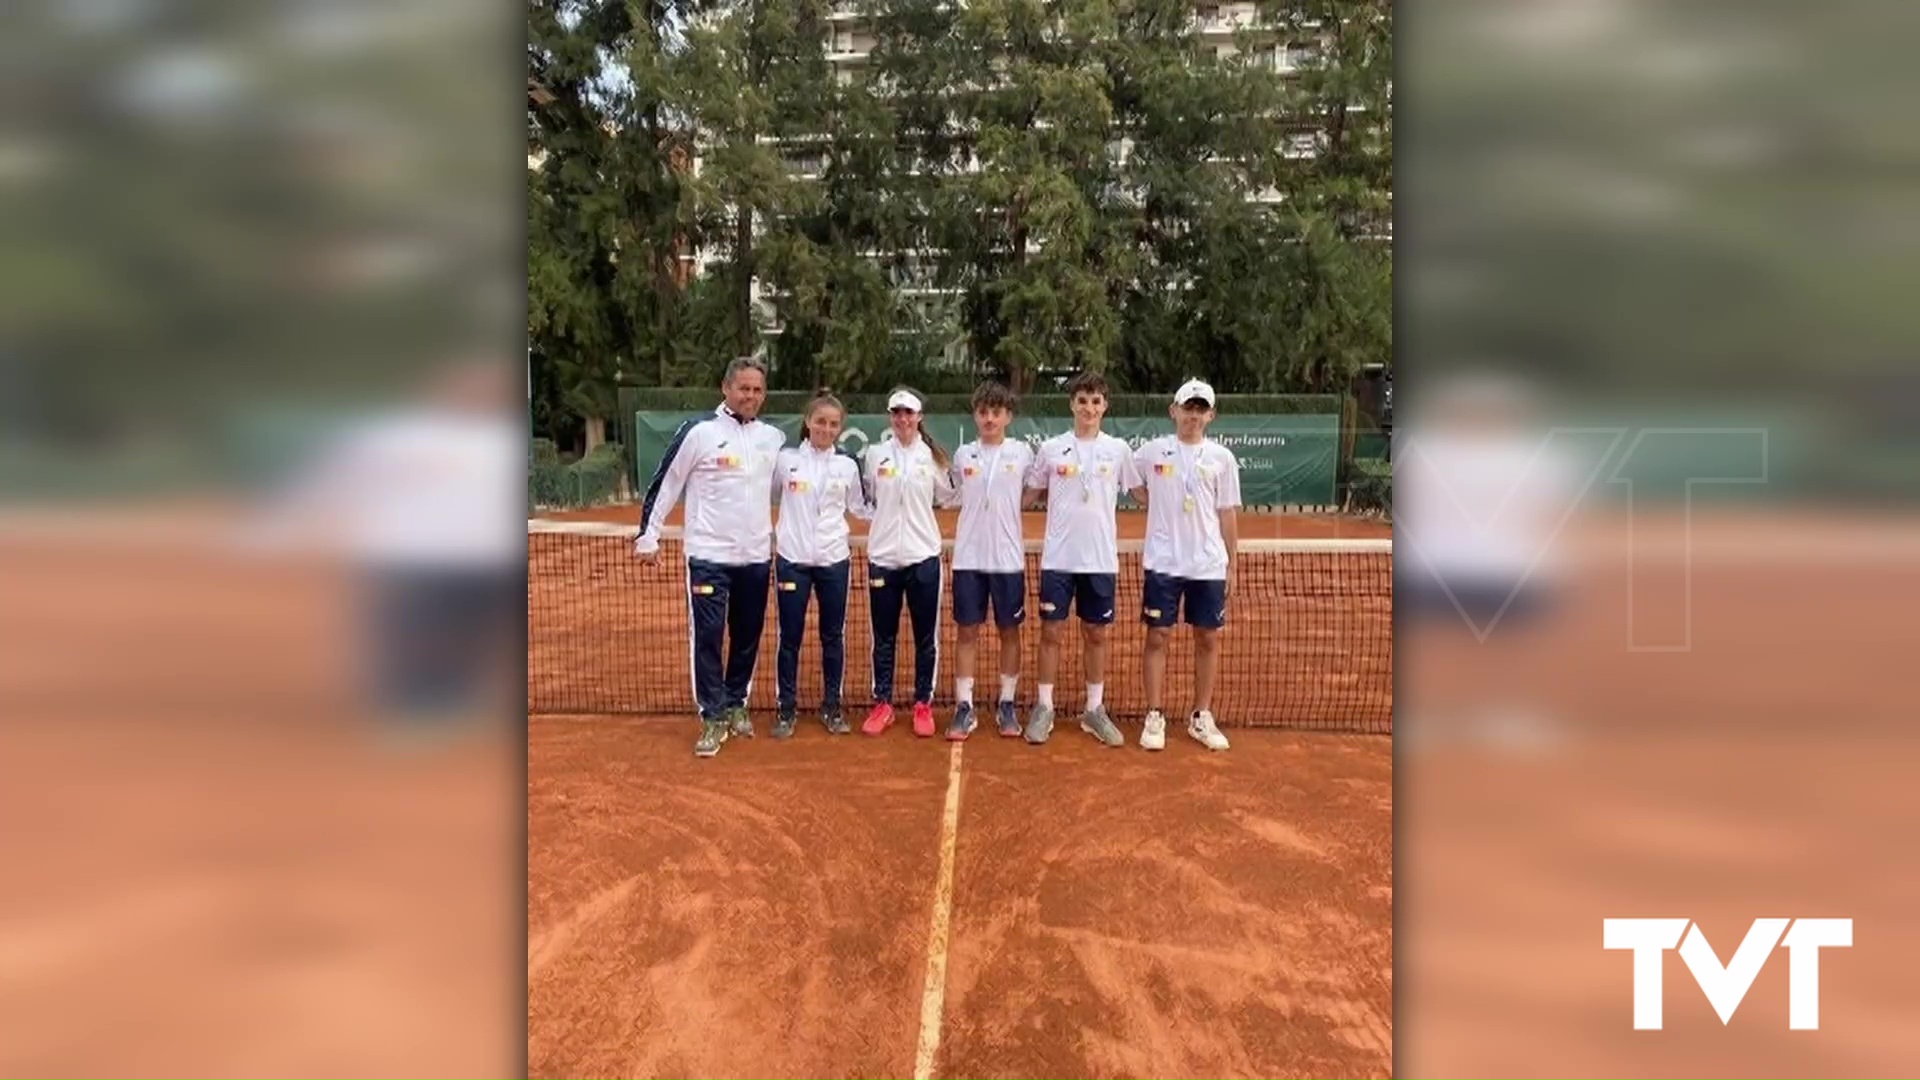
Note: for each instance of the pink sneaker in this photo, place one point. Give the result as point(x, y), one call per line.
point(879, 720)
point(923, 719)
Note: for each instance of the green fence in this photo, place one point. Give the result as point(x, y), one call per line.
point(1284, 460)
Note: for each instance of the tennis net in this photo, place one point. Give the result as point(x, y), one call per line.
point(1308, 642)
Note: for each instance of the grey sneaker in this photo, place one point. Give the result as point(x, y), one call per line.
point(712, 734)
point(1039, 724)
point(740, 722)
point(962, 724)
point(1098, 724)
point(835, 720)
point(783, 724)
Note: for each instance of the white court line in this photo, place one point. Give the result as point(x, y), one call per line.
point(933, 999)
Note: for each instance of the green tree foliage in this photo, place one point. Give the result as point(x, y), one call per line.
point(1048, 185)
point(608, 206)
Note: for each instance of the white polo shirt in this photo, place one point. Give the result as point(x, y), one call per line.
point(990, 482)
point(817, 489)
point(1187, 487)
point(902, 484)
point(1083, 480)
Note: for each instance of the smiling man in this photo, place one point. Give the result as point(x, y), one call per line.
point(724, 465)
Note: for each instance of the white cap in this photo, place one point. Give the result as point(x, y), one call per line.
point(903, 399)
point(1193, 388)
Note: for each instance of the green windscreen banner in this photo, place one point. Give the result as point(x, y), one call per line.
point(1284, 460)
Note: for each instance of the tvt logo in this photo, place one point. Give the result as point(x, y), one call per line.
point(1726, 985)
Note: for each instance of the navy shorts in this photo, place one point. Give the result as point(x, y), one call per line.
point(1090, 594)
point(973, 589)
point(1164, 595)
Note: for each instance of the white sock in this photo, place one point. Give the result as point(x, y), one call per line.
point(1046, 694)
point(963, 689)
point(1008, 684)
point(1096, 693)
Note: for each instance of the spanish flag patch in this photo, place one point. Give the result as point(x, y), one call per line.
point(969, 471)
point(888, 471)
point(1066, 470)
point(798, 486)
point(727, 461)
point(1162, 469)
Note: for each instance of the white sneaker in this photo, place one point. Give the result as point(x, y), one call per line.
point(1153, 734)
point(1205, 731)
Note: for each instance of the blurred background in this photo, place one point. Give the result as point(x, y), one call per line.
point(1655, 350)
point(1656, 540)
point(258, 687)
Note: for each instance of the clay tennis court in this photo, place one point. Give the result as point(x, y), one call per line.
point(852, 906)
point(775, 911)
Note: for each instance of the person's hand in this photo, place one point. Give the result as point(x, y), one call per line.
point(648, 551)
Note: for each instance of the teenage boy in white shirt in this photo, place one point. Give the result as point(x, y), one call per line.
point(1083, 473)
point(1193, 532)
point(989, 554)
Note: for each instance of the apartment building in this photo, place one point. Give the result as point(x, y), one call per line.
point(1221, 28)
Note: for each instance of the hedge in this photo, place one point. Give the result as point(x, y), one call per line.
point(594, 480)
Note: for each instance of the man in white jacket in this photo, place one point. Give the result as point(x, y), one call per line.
point(724, 465)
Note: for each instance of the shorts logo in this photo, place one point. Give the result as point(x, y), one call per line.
point(1153, 612)
point(1047, 605)
point(878, 583)
point(789, 586)
point(703, 590)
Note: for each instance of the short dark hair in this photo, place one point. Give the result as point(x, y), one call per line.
point(1087, 382)
point(993, 395)
point(743, 363)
